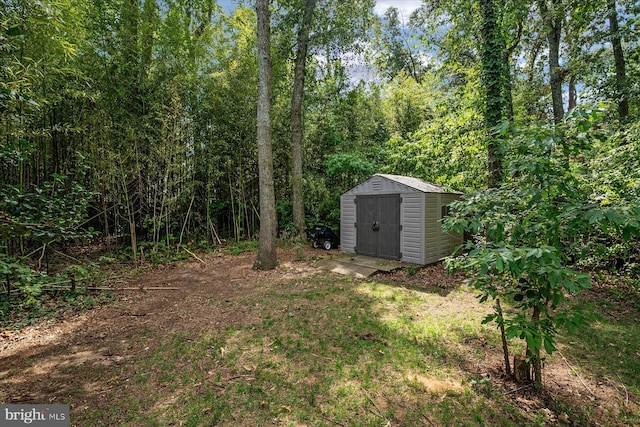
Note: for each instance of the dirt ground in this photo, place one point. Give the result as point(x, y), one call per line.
point(37, 362)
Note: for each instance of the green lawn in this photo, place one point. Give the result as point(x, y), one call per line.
point(330, 350)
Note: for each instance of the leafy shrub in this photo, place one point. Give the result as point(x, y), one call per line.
point(529, 229)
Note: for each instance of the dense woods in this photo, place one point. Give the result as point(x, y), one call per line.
point(133, 123)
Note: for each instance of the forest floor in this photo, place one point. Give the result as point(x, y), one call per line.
point(300, 346)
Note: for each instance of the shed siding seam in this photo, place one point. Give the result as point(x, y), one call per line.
point(411, 223)
point(347, 221)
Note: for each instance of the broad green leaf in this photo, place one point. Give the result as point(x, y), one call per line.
point(14, 30)
point(549, 346)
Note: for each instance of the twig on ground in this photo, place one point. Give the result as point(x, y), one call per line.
point(34, 251)
point(56, 284)
point(68, 256)
point(323, 357)
point(427, 418)
point(577, 374)
point(331, 421)
point(518, 389)
point(374, 404)
point(195, 256)
point(141, 288)
point(626, 401)
point(235, 377)
point(44, 248)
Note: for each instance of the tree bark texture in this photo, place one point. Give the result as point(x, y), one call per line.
point(503, 336)
point(493, 82)
point(535, 356)
point(268, 217)
point(552, 19)
point(573, 92)
point(507, 53)
point(618, 55)
point(297, 196)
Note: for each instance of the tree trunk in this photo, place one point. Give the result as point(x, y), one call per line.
point(573, 92)
point(552, 19)
point(268, 218)
point(508, 89)
point(297, 196)
point(492, 79)
point(507, 53)
point(521, 369)
point(535, 356)
point(503, 335)
point(618, 55)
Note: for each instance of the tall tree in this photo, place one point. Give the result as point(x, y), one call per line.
point(397, 49)
point(268, 217)
point(622, 95)
point(297, 197)
point(493, 81)
point(552, 18)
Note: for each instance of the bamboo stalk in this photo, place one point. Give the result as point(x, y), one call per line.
point(186, 218)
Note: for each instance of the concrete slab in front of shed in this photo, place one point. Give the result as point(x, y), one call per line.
point(356, 265)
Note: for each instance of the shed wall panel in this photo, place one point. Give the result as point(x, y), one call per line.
point(412, 220)
point(431, 229)
point(450, 240)
point(347, 223)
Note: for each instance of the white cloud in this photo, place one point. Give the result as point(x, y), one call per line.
point(405, 7)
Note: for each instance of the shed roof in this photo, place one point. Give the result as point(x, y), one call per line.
point(417, 183)
point(409, 183)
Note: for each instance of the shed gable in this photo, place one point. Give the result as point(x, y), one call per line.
point(379, 184)
point(386, 184)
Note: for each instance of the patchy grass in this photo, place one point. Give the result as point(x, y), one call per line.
point(326, 351)
point(354, 354)
point(609, 348)
point(317, 349)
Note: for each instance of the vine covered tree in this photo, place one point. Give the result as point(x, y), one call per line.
point(493, 84)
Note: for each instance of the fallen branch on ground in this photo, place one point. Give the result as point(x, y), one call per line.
point(195, 256)
point(577, 374)
point(518, 389)
point(141, 288)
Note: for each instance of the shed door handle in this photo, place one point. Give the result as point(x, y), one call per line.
point(375, 226)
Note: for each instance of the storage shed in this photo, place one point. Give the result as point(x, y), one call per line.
point(397, 217)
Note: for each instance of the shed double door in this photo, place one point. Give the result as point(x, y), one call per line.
point(378, 226)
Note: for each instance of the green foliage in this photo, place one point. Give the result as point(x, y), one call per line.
point(242, 247)
point(56, 210)
point(349, 169)
point(285, 217)
point(397, 50)
point(34, 295)
point(528, 229)
point(447, 147)
point(18, 277)
point(616, 167)
point(16, 313)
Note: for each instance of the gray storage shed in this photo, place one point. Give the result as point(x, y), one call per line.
point(397, 217)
